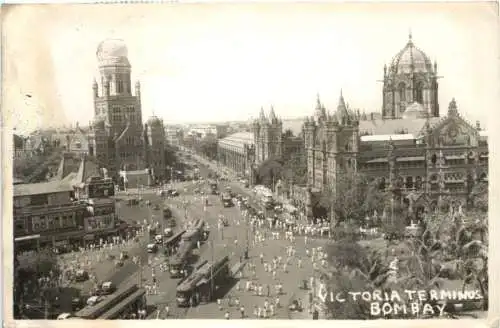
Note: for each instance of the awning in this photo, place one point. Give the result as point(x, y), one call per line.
point(31, 237)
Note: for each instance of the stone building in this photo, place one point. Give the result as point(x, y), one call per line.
point(412, 147)
point(411, 78)
point(118, 138)
point(237, 152)
point(267, 134)
point(155, 143)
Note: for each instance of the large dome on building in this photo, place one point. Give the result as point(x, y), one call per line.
point(410, 59)
point(113, 51)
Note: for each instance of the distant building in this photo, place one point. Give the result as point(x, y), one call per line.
point(172, 135)
point(267, 134)
point(237, 152)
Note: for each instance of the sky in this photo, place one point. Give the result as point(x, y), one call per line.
point(223, 62)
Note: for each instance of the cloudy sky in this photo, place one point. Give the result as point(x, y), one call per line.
point(209, 62)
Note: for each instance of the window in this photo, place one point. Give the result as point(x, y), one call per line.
point(20, 225)
point(420, 93)
point(402, 91)
point(434, 159)
point(409, 182)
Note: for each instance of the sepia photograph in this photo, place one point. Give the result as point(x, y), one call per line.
point(250, 161)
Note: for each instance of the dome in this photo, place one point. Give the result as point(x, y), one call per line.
point(411, 59)
point(415, 110)
point(113, 51)
point(154, 120)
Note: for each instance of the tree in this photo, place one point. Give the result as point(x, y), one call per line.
point(355, 197)
point(270, 171)
point(479, 196)
point(208, 146)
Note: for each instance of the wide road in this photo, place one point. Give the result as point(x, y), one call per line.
point(232, 241)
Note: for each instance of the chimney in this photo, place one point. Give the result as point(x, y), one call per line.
point(478, 125)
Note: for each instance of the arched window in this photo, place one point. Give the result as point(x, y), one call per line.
point(402, 91)
point(419, 93)
point(409, 183)
point(418, 183)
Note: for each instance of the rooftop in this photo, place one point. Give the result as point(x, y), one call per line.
point(50, 187)
point(237, 140)
point(399, 126)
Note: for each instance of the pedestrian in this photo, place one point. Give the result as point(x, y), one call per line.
point(242, 312)
point(219, 303)
point(167, 311)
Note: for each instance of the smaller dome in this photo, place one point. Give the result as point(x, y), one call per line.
point(154, 120)
point(411, 59)
point(415, 110)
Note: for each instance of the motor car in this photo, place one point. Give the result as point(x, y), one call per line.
point(171, 223)
point(107, 288)
point(168, 232)
point(152, 248)
point(93, 300)
point(173, 193)
point(156, 207)
point(119, 263)
point(81, 275)
point(158, 239)
point(64, 316)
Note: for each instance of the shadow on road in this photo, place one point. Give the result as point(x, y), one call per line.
point(225, 288)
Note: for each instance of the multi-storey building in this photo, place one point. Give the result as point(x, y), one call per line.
point(267, 134)
point(155, 142)
point(440, 158)
point(117, 137)
point(68, 211)
point(47, 214)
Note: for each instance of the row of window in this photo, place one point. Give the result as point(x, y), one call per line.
point(45, 222)
point(99, 222)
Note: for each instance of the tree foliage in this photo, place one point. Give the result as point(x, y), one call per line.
point(291, 166)
point(355, 197)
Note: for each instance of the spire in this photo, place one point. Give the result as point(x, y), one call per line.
point(410, 36)
point(452, 107)
point(272, 115)
point(262, 116)
point(342, 113)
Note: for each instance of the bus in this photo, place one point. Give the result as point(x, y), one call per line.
point(202, 283)
point(227, 200)
point(194, 233)
point(179, 261)
point(173, 241)
point(107, 302)
point(130, 305)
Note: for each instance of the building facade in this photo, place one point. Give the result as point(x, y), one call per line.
point(411, 78)
point(70, 212)
point(441, 158)
point(237, 152)
point(118, 138)
point(267, 134)
point(155, 143)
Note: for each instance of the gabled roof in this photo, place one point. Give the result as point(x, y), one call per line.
point(412, 126)
point(88, 169)
point(28, 189)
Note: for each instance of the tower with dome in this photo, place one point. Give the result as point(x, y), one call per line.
point(410, 78)
point(119, 140)
point(432, 160)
